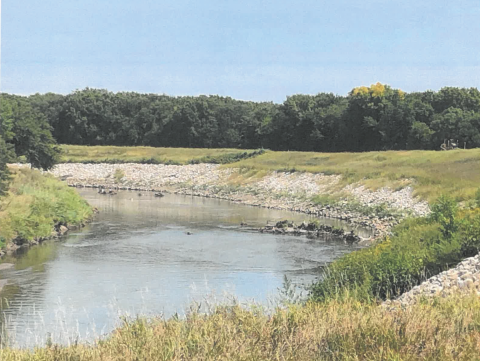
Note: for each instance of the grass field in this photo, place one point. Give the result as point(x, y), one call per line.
point(111, 154)
point(447, 329)
point(456, 173)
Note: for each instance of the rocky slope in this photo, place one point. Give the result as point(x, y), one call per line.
point(280, 190)
point(464, 278)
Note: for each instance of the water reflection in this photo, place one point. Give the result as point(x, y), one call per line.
point(136, 257)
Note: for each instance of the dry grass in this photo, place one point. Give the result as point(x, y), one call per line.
point(456, 173)
point(337, 330)
point(434, 173)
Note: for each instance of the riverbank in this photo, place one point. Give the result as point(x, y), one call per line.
point(406, 258)
point(38, 207)
point(314, 194)
point(429, 173)
point(444, 327)
point(447, 329)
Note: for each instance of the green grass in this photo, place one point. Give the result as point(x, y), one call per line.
point(35, 203)
point(111, 154)
point(442, 329)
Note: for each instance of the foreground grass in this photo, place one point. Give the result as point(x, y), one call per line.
point(35, 203)
point(112, 154)
point(434, 173)
point(447, 329)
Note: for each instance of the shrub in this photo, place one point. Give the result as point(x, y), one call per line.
point(35, 203)
point(444, 212)
point(227, 158)
point(382, 271)
point(118, 175)
point(418, 249)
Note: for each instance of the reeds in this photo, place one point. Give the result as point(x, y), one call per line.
point(440, 329)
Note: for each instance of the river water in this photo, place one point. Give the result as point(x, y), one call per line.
point(138, 258)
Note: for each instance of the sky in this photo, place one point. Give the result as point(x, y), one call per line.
point(262, 50)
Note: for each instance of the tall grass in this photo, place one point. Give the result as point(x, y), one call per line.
point(441, 329)
point(35, 203)
point(454, 172)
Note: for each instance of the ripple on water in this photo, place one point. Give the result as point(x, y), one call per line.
point(141, 258)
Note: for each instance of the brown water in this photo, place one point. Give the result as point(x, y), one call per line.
point(137, 258)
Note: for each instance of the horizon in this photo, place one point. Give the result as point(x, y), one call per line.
point(260, 51)
point(224, 96)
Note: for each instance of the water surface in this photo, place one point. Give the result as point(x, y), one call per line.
point(136, 257)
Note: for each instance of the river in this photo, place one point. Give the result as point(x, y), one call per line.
point(137, 257)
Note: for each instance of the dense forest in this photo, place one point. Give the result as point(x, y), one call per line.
point(368, 118)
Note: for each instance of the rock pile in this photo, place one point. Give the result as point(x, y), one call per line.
point(140, 176)
point(402, 199)
point(464, 278)
point(311, 230)
point(304, 184)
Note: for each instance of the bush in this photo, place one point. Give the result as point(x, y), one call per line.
point(37, 202)
point(381, 271)
point(227, 158)
point(118, 175)
point(444, 211)
point(418, 249)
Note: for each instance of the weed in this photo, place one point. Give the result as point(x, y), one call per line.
point(118, 175)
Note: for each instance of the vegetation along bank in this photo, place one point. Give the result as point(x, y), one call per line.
point(433, 195)
point(33, 206)
point(38, 207)
point(333, 330)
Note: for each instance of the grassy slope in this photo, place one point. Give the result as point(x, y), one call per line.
point(81, 154)
point(455, 172)
point(335, 330)
point(35, 203)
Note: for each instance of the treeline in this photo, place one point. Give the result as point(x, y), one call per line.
point(24, 133)
point(368, 118)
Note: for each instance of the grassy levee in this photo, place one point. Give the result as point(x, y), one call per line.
point(445, 329)
point(433, 173)
point(113, 154)
point(35, 203)
point(456, 173)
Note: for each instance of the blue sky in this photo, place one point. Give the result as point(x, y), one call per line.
point(250, 49)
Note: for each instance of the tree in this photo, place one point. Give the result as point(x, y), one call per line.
point(369, 118)
point(27, 133)
point(419, 136)
point(4, 173)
